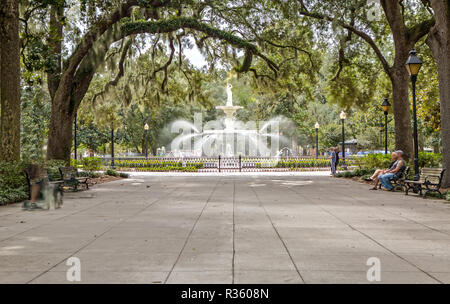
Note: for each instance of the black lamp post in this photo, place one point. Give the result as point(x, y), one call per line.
point(343, 117)
point(146, 127)
point(75, 137)
point(386, 106)
point(381, 129)
point(112, 146)
point(413, 66)
point(317, 126)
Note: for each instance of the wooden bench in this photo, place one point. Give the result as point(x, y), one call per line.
point(430, 178)
point(72, 180)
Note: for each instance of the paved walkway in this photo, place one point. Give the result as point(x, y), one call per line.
point(228, 229)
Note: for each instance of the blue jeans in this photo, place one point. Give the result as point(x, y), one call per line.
point(333, 167)
point(385, 180)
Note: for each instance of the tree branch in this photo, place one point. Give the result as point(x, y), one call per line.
point(357, 32)
point(171, 25)
point(119, 75)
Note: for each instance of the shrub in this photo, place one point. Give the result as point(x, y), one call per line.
point(93, 174)
point(13, 184)
point(430, 160)
point(112, 172)
point(124, 175)
point(363, 172)
point(76, 163)
point(52, 167)
point(91, 164)
point(348, 174)
point(373, 161)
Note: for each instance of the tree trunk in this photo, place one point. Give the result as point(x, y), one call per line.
point(403, 132)
point(295, 144)
point(404, 40)
point(10, 81)
point(60, 133)
point(439, 42)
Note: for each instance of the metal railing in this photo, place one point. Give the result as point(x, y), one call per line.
point(219, 164)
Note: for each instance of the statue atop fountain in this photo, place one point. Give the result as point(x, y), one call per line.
point(229, 95)
point(229, 109)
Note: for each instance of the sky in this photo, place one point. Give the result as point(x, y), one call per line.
point(195, 57)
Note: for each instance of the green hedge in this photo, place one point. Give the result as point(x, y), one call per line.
point(430, 160)
point(91, 164)
point(356, 173)
point(13, 183)
point(167, 169)
point(112, 172)
point(157, 165)
point(372, 161)
point(304, 163)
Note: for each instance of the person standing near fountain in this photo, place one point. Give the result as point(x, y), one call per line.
point(334, 157)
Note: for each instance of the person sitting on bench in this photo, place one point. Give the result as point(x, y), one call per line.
point(378, 172)
point(385, 179)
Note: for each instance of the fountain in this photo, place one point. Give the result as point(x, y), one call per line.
point(228, 138)
point(229, 109)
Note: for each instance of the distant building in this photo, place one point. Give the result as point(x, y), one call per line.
point(351, 146)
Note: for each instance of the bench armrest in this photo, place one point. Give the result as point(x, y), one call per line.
point(427, 181)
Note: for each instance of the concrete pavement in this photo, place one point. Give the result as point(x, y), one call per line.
point(229, 229)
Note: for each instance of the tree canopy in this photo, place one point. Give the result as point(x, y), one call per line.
point(121, 64)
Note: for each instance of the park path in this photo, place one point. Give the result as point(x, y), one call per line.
point(228, 229)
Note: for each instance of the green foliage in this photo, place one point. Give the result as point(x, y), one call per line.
point(170, 25)
point(35, 116)
point(52, 167)
point(363, 173)
point(323, 68)
point(76, 163)
point(91, 164)
point(91, 136)
point(430, 160)
point(13, 184)
point(90, 174)
point(303, 163)
point(112, 172)
point(159, 165)
point(373, 161)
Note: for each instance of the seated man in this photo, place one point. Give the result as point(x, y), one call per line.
point(385, 179)
point(378, 172)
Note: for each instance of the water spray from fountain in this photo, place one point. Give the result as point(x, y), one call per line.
point(228, 137)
